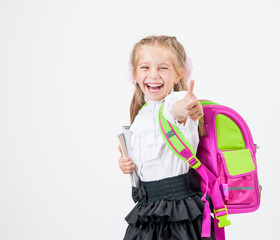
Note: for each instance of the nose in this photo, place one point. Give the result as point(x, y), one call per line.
point(154, 73)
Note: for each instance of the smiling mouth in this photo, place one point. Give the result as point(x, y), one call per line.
point(154, 87)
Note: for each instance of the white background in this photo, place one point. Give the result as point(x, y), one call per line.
point(65, 94)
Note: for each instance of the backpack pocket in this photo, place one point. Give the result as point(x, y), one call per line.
point(238, 176)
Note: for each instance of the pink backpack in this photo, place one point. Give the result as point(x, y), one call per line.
point(225, 160)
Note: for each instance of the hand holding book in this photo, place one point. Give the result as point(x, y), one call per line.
point(125, 162)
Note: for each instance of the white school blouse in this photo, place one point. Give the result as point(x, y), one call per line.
point(152, 157)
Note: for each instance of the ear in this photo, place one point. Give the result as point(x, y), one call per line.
point(178, 77)
point(134, 78)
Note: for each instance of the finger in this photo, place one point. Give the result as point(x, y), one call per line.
point(129, 169)
point(192, 103)
point(193, 111)
point(196, 116)
point(124, 162)
point(191, 87)
point(120, 149)
point(190, 98)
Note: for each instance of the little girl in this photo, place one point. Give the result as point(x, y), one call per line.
point(169, 200)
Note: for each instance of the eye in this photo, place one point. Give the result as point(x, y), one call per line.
point(144, 67)
point(164, 68)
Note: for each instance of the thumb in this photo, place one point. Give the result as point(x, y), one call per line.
point(120, 149)
point(190, 87)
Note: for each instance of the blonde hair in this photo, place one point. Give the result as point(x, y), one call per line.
point(177, 57)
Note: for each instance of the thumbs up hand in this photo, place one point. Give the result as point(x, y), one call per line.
point(193, 107)
point(188, 107)
point(189, 94)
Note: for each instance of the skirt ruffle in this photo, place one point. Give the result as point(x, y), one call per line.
point(167, 219)
point(169, 210)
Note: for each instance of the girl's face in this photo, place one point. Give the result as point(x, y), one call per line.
point(155, 73)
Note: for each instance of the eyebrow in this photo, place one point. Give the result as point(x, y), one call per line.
point(163, 63)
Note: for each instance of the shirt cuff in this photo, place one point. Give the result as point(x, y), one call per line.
point(168, 103)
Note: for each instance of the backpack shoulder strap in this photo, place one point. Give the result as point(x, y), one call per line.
point(176, 141)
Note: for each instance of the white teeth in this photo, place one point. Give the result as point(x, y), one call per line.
point(154, 85)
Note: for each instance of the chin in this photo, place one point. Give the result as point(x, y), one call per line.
point(154, 98)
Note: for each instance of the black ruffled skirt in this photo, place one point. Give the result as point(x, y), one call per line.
point(167, 209)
